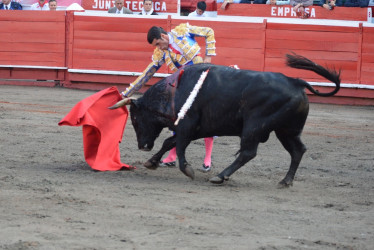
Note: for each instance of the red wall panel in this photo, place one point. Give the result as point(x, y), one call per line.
point(110, 43)
point(32, 38)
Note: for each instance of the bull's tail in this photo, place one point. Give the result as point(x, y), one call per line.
point(300, 62)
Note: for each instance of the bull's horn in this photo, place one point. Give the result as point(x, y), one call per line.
point(121, 103)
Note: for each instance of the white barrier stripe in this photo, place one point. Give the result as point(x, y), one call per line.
point(243, 19)
point(108, 72)
point(30, 67)
point(367, 24)
point(343, 85)
point(127, 73)
point(322, 22)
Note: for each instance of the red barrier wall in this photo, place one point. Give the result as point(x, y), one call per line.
point(367, 56)
point(32, 46)
point(239, 43)
point(317, 43)
point(82, 50)
point(100, 43)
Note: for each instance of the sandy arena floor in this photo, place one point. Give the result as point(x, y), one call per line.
point(51, 199)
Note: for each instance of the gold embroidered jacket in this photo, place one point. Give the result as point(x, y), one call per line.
point(188, 53)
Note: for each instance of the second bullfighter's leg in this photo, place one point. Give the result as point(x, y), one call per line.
point(293, 144)
point(168, 144)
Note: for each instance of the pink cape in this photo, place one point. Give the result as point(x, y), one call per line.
point(102, 129)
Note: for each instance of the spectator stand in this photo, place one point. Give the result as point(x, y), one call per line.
point(188, 6)
point(61, 4)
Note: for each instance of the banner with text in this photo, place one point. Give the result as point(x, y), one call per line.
point(316, 12)
point(160, 6)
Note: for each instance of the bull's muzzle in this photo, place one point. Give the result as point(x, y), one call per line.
point(125, 101)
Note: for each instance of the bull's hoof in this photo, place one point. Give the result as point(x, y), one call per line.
point(189, 172)
point(218, 180)
point(285, 184)
point(150, 165)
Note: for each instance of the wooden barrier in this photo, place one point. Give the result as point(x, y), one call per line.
point(367, 55)
point(32, 47)
point(237, 43)
point(316, 42)
point(255, 44)
point(102, 50)
point(286, 11)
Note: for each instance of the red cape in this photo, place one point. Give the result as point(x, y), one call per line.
point(102, 129)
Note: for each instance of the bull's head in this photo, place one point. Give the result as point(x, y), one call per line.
point(145, 122)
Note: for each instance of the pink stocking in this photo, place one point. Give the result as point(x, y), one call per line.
point(208, 151)
point(172, 156)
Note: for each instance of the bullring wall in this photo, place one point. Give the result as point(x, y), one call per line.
point(95, 51)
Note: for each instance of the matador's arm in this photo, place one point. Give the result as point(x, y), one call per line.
point(157, 61)
point(208, 33)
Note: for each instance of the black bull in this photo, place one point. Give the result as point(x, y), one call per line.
point(231, 102)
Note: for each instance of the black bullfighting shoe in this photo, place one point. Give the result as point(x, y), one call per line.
point(204, 169)
point(167, 164)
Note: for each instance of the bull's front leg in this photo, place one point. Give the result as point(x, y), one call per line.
point(181, 153)
point(168, 144)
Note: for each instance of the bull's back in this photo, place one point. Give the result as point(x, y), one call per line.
point(229, 96)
